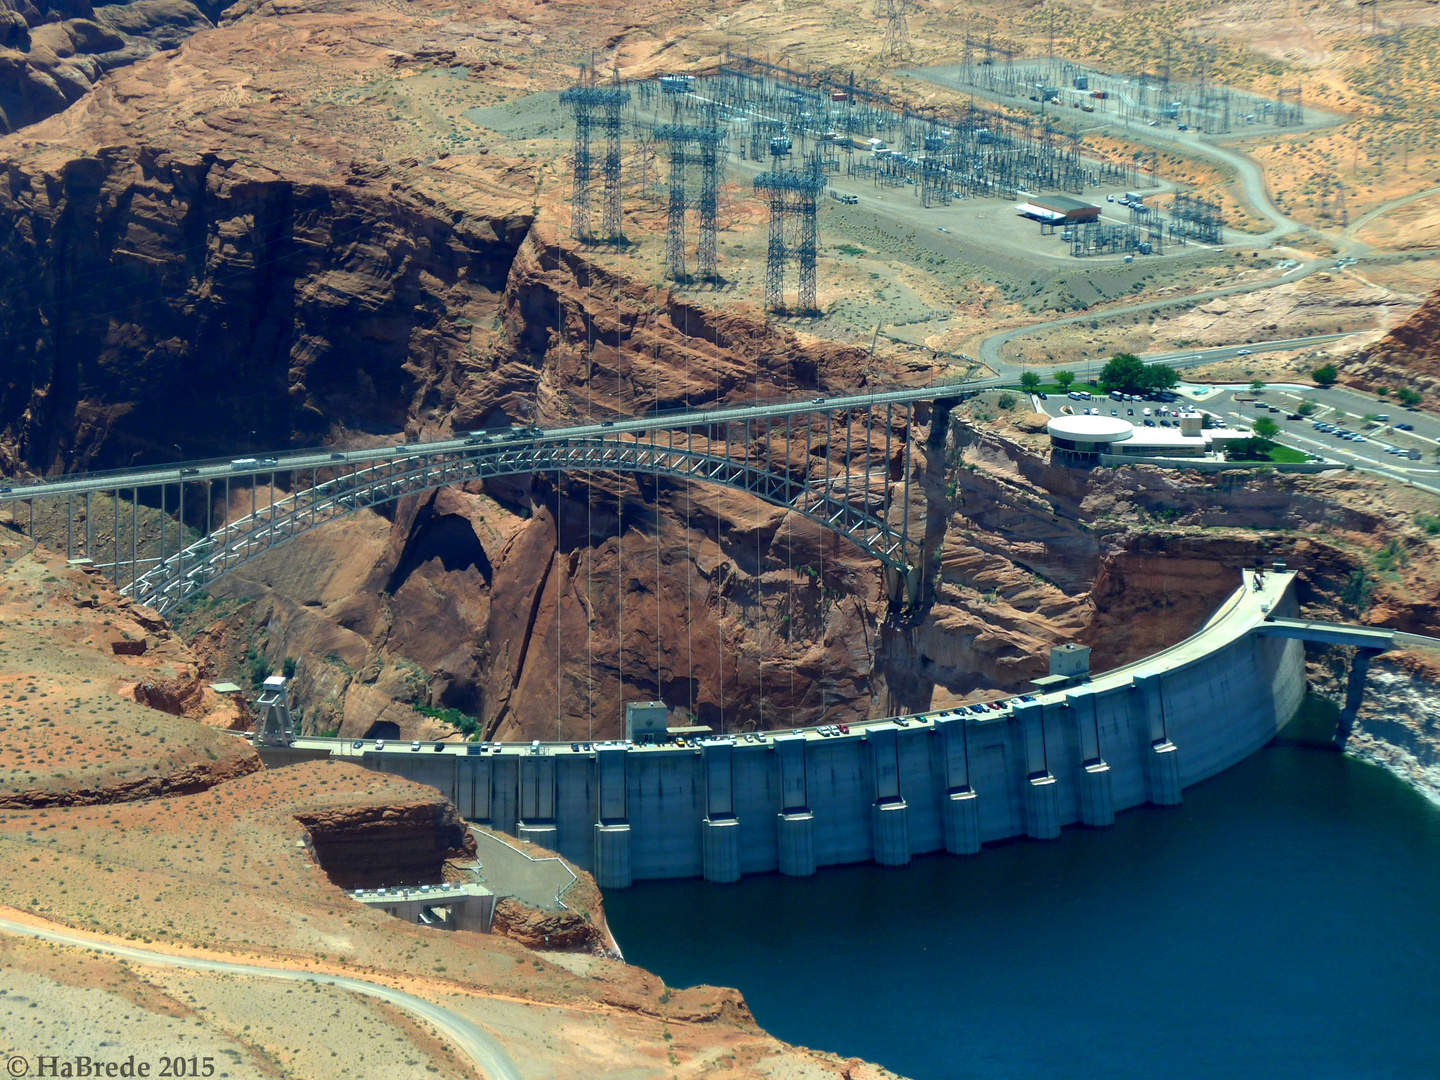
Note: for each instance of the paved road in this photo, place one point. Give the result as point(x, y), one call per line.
point(990, 347)
point(488, 1055)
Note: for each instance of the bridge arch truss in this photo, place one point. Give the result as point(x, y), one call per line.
point(768, 457)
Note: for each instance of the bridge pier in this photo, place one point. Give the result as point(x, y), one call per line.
point(1354, 695)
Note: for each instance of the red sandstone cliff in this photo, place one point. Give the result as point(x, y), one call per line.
point(1407, 356)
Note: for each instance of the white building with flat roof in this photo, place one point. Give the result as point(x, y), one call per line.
point(1081, 440)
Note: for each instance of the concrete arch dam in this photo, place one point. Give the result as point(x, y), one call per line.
point(895, 788)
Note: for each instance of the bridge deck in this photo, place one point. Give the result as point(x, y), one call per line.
point(1324, 633)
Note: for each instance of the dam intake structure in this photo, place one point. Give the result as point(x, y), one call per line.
point(891, 789)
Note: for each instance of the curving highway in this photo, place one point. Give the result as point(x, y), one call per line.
point(488, 1056)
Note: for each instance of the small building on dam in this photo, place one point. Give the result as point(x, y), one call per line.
point(889, 789)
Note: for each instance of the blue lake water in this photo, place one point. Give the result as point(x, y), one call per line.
point(1283, 922)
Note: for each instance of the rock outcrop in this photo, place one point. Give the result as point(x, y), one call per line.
point(404, 843)
point(538, 929)
point(52, 53)
point(1408, 356)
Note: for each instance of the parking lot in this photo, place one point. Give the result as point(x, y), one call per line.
point(1393, 440)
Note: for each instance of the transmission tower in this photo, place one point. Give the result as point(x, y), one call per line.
point(897, 27)
point(586, 98)
point(793, 199)
point(807, 199)
point(703, 147)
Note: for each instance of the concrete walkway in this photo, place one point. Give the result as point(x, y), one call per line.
point(507, 871)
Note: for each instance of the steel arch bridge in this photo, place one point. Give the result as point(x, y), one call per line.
point(764, 450)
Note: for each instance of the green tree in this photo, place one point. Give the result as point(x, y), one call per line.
point(1029, 382)
point(1265, 428)
point(1124, 372)
point(1254, 449)
point(1129, 374)
point(1308, 407)
point(1006, 400)
point(1356, 593)
point(1063, 379)
point(1325, 375)
point(1161, 377)
point(1408, 396)
point(1257, 385)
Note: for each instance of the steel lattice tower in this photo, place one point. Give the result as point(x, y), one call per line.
point(702, 146)
point(585, 99)
point(807, 204)
point(776, 256)
point(709, 205)
point(791, 195)
point(897, 26)
point(577, 98)
point(675, 219)
point(612, 224)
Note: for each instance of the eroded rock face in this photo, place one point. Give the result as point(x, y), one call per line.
point(53, 51)
point(1407, 356)
point(538, 929)
point(250, 303)
point(1398, 727)
point(406, 843)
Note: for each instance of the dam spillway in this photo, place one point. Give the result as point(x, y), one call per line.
point(949, 780)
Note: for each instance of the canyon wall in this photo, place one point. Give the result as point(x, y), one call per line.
point(53, 51)
point(1398, 727)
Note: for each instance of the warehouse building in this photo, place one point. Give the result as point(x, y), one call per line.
point(1057, 210)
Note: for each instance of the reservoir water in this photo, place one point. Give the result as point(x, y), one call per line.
point(1283, 922)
